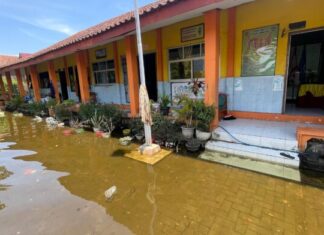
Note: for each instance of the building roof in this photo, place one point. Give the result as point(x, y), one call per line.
point(7, 59)
point(93, 31)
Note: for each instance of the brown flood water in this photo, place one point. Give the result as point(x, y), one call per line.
point(58, 186)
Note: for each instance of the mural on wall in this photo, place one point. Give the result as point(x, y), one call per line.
point(185, 88)
point(259, 51)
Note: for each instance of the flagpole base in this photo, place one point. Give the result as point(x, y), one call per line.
point(149, 150)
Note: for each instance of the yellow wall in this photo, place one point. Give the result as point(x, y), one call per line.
point(171, 37)
point(41, 68)
point(268, 12)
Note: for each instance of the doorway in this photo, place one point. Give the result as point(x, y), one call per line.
point(305, 81)
point(64, 89)
point(150, 75)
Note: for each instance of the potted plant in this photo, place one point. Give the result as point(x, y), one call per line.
point(186, 114)
point(77, 125)
point(107, 127)
point(204, 115)
point(164, 102)
point(97, 121)
point(50, 105)
point(137, 128)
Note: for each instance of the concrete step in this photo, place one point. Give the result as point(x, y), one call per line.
point(271, 140)
point(255, 153)
point(253, 165)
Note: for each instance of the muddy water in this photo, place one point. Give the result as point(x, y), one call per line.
point(58, 186)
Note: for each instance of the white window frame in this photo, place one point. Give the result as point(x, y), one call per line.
point(201, 57)
point(104, 70)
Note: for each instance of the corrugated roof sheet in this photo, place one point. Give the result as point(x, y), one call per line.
point(96, 30)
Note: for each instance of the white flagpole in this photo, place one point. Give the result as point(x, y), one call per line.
point(147, 127)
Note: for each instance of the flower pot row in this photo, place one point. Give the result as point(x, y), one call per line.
point(188, 133)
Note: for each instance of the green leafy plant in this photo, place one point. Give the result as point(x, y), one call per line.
point(186, 113)
point(62, 112)
point(97, 121)
point(164, 101)
point(14, 103)
point(204, 114)
point(51, 103)
point(68, 102)
point(136, 126)
point(87, 111)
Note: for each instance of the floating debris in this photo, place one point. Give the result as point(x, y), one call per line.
point(109, 193)
point(16, 114)
point(37, 119)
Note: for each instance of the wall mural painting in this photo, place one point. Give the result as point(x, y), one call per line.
point(259, 51)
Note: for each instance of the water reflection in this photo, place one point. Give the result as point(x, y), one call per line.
point(178, 195)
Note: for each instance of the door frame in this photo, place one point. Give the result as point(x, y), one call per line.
point(290, 35)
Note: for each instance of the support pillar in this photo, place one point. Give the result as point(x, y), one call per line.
point(212, 53)
point(116, 62)
point(20, 84)
point(231, 43)
point(35, 83)
point(2, 87)
point(132, 73)
point(159, 56)
point(53, 78)
point(9, 85)
point(81, 61)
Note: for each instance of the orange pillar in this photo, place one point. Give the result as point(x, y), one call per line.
point(116, 62)
point(212, 53)
point(52, 76)
point(35, 83)
point(159, 55)
point(132, 73)
point(2, 87)
point(231, 42)
point(20, 84)
point(9, 84)
point(81, 61)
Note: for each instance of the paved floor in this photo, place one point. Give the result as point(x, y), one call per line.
point(269, 129)
point(292, 109)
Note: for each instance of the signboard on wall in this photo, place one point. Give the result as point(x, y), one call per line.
point(259, 51)
point(101, 53)
point(192, 33)
point(183, 88)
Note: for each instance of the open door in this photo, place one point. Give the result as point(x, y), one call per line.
point(305, 81)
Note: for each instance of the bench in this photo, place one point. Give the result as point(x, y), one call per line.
point(306, 133)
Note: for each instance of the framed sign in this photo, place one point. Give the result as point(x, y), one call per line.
point(101, 53)
point(192, 33)
point(259, 51)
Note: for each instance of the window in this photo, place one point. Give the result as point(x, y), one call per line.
point(44, 81)
point(187, 62)
point(104, 72)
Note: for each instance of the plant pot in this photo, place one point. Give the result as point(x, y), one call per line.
point(79, 130)
point(51, 112)
point(95, 129)
point(188, 132)
point(203, 136)
point(165, 111)
point(139, 137)
point(126, 132)
point(106, 135)
point(193, 145)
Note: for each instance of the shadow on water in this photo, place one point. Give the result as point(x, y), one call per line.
point(175, 196)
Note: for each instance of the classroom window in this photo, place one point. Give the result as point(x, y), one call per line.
point(187, 62)
point(104, 72)
point(72, 78)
